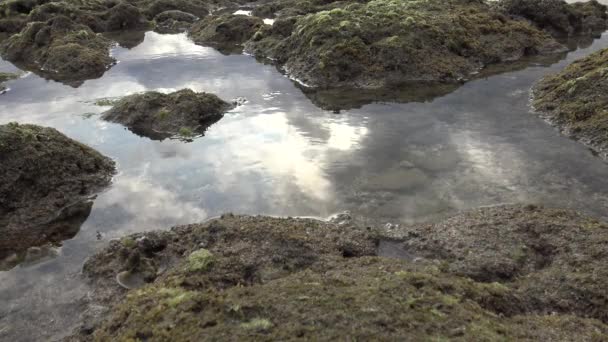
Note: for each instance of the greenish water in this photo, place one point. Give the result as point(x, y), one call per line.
point(433, 152)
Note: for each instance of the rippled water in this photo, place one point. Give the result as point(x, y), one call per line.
point(280, 154)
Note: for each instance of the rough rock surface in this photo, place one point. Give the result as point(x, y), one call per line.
point(174, 21)
point(560, 17)
point(182, 114)
point(59, 49)
point(46, 180)
point(576, 100)
point(270, 278)
point(383, 42)
point(227, 33)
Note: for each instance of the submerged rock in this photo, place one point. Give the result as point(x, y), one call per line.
point(576, 100)
point(385, 42)
point(60, 50)
point(560, 17)
point(227, 33)
point(275, 279)
point(46, 180)
point(183, 114)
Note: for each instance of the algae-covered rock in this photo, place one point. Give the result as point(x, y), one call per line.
point(60, 50)
point(246, 249)
point(155, 7)
point(174, 21)
point(46, 180)
point(383, 42)
point(261, 278)
point(183, 113)
point(227, 33)
point(576, 100)
point(552, 258)
point(560, 17)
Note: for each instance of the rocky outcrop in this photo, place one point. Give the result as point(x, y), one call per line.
point(385, 42)
point(501, 273)
point(59, 49)
point(182, 114)
point(576, 101)
point(46, 180)
point(559, 17)
point(227, 33)
point(174, 21)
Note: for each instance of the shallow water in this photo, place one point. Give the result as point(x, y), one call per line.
point(279, 154)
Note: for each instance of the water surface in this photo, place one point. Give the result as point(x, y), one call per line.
point(280, 154)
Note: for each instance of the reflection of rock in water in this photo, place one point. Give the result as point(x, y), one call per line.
point(337, 99)
point(63, 227)
point(45, 181)
point(127, 39)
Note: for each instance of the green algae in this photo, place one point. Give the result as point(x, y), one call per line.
point(199, 260)
point(575, 100)
point(384, 42)
point(282, 279)
point(181, 114)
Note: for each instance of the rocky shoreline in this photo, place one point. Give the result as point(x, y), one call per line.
point(506, 272)
point(333, 44)
point(575, 101)
point(47, 181)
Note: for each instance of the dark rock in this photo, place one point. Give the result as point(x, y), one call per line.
point(386, 42)
point(184, 114)
point(559, 17)
point(174, 21)
point(277, 279)
point(46, 180)
point(227, 33)
point(59, 49)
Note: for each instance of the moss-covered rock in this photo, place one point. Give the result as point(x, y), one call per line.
point(59, 49)
point(174, 21)
point(552, 258)
point(576, 100)
point(182, 114)
point(560, 17)
point(383, 42)
point(261, 278)
point(45, 181)
point(227, 33)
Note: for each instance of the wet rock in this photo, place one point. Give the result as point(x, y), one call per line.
point(576, 101)
point(46, 180)
point(182, 114)
point(551, 258)
point(386, 42)
point(280, 279)
point(125, 17)
point(59, 49)
point(227, 33)
point(6, 77)
point(559, 17)
point(174, 21)
point(196, 8)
